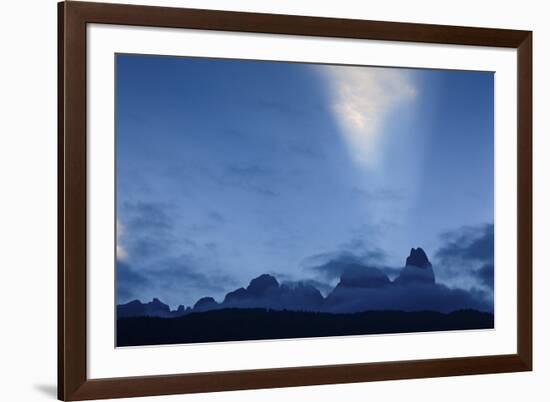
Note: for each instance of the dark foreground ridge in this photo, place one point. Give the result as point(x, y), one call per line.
point(257, 324)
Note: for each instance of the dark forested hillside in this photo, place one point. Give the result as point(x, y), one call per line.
point(255, 324)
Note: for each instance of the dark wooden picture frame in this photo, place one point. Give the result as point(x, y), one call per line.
point(73, 382)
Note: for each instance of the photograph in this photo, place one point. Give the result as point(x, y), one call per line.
point(270, 200)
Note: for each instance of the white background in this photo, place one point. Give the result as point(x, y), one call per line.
point(28, 199)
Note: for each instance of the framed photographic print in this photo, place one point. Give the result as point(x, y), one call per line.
point(253, 200)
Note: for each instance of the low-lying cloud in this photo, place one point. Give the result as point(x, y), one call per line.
point(466, 257)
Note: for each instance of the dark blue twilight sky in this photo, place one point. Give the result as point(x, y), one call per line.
point(228, 169)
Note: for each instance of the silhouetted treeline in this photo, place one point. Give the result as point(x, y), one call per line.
point(257, 324)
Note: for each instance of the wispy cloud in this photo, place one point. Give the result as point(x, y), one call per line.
point(466, 257)
point(121, 253)
point(144, 231)
point(469, 243)
point(362, 100)
point(330, 266)
point(129, 282)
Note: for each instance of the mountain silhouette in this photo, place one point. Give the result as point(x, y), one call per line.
point(418, 269)
point(135, 308)
point(266, 292)
point(418, 258)
point(262, 285)
point(360, 288)
point(205, 303)
point(364, 301)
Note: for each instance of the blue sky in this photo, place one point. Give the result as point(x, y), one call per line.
point(227, 169)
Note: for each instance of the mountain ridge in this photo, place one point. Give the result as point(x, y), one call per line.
point(360, 288)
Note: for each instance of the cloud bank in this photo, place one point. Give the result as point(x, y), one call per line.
point(466, 257)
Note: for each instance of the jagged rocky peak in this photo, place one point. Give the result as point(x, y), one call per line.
point(418, 269)
point(157, 302)
point(418, 258)
point(135, 308)
point(262, 284)
point(300, 296)
point(236, 295)
point(205, 303)
point(157, 305)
